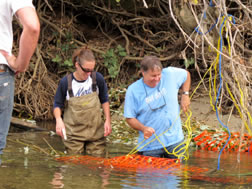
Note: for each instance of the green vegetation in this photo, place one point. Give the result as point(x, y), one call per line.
point(189, 62)
point(64, 51)
point(111, 60)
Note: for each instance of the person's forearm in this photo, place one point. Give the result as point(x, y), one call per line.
point(135, 124)
point(59, 123)
point(185, 99)
point(106, 110)
point(29, 37)
point(26, 50)
point(57, 113)
point(187, 84)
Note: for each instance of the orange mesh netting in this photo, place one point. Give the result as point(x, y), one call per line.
point(214, 141)
point(131, 162)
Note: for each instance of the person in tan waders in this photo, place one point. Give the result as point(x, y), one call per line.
point(80, 95)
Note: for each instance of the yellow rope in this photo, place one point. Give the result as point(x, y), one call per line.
point(187, 142)
point(210, 84)
point(216, 62)
point(135, 150)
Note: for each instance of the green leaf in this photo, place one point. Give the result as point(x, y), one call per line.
point(122, 54)
point(68, 63)
point(189, 62)
point(57, 59)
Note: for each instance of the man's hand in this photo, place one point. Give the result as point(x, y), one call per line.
point(12, 62)
point(148, 132)
point(135, 124)
point(185, 102)
point(10, 59)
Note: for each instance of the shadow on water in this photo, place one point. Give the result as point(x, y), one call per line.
point(30, 168)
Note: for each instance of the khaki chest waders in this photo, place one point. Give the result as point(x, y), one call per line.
point(83, 119)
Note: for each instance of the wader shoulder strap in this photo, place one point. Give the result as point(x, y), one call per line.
point(93, 75)
point(69, 85)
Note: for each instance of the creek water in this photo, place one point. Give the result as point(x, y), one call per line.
point(29, 168)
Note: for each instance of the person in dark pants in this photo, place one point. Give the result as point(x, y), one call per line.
point(9, 64)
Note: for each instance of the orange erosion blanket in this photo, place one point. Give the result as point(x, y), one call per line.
point(146, 164)
point(215, 141)
point(132, 163)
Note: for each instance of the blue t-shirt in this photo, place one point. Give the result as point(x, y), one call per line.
point(80, 88)
point(157, 107)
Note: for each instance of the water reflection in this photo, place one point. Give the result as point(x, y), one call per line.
point(152, 180)
point(57, 180)
point(70, 176)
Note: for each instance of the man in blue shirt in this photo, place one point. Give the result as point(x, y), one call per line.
point(152, 108)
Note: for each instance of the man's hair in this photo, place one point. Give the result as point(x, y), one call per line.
point(150, 63)
point(82, 55)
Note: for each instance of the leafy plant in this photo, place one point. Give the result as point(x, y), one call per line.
point(68, 63)
point(111, 60)
point(116, 96)
point(65, 50)
point(57, 59)
point(189, 62)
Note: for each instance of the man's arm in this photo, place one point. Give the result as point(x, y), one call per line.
point(185, 98)
point(135, 124)
point(28, 40)
point(107, 124)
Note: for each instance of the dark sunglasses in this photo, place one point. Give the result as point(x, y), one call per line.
point(85, 69)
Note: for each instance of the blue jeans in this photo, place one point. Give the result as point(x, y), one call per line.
point(7, 85)
point(161, 153)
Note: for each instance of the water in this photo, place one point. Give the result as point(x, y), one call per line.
point(24, 168)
